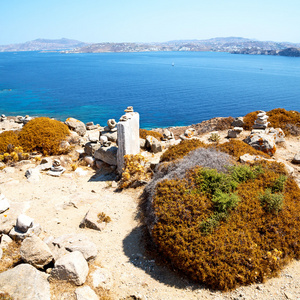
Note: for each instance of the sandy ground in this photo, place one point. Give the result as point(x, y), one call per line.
point(60, 203)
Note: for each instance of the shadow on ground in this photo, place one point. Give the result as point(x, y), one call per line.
point(143, 255)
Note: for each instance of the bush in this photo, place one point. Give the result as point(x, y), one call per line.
point(144, 133)
point(238, 148)
point(221, 240)
point(214, 137)
point(182, 149)
point(8, 140)
point(271, 202)
point(43, 135)
point(249, 120)
point(281, 118)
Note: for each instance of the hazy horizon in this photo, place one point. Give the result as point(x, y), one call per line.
point(95, 21)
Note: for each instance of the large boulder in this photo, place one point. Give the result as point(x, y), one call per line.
point(35, 252)
point(107, 154)
point(262, 142)
point(25, 282)
point(76, 125)
point(91, 147)
point(153, 144)
point(71, 267)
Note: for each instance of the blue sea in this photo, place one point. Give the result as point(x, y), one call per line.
point(166, 88)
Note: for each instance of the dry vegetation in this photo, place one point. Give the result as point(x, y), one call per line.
point(144, 133)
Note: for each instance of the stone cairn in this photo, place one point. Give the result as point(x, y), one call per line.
point(56, 169)
point(262, 121)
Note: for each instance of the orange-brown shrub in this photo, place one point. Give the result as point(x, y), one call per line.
point(238, 148)
point(247, 246)
point(180, 150)
point(281, 118)
point(43, 135)
point(224, 123)
point(8, 139)
point(249, 120)
point(144, 133)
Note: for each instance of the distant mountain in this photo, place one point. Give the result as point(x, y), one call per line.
point(291, 52)
point(43, 45)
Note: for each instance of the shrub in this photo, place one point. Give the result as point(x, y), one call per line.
point(224, 123)
point(281, 118)
point(134, 171)
point(8, 139)
point(238, 148)
point(249, 120)
point(182, 149)
point(271, 202)
point(241, 173)
point(278, 184)
point(214, 137)
point(144, 133)
point(225, 242)
point(43, 135)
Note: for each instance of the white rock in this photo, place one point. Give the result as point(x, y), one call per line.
point(85, 293)
point(153, 144)
point(296, 159)
point(76, 125)
point(33, 175)
point(262, 142)
point(71, 267)
point(25, 282)
point(102, 278)
point(89, 160)
point(35, 252)
point(107, 154)
point(17, 235)
point(23, 223)
point(77, 242)
point(5, 241)
point(81, 172)
point(4, 204)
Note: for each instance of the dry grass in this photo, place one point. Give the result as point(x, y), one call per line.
point(11, 256)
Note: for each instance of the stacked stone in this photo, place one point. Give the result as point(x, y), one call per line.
point(262, 121)
point(56, 169)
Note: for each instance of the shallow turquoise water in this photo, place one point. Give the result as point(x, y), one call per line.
point(97, 87)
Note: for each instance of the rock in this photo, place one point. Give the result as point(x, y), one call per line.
point(104, 141)
point(2, 165)
point(8, 219)
point(101, 278)
point(128, 109)
point(1, 253)
point(277, 134)
point(85, 293)
point(35, 252)
point(81, 172)
point(99, 164)
point(247, 158)
point(296, 159)
point(71, 267)
point(89, 160)
point(17, 235)
point(128, 138)
point(262, 142)
point(112, 136)
point(92, 127)
point(76, 125)
point(290, 170)
point(262, 121)
point(4, 204)
point(90, 148)
point(77, 242)
point(46, 163)
point(24, 223)
point(111, 123)
point(153, 144)
point(5, 241)
point(91, 219)
point(107, 154)
point(167, 135)
point(64, 145)
point(238, 122)
point(25, 282)
point(56, 169)
point(142, 143)
point(33, 175)
point(232, 133)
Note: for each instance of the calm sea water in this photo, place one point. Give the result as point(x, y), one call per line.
point(166, 88)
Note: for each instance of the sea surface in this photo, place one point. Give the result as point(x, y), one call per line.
point(166, 88)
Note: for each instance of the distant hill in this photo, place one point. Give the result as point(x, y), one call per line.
point(220, 44)
point(43, 45)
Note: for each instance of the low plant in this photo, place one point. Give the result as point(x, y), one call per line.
point(249, 120)
point(272, 203)
point(144, 133)
point(278, 184)
point(8, 139)
point(214, 137)
point(102, 217)
point(134, 171)
point(182, 149)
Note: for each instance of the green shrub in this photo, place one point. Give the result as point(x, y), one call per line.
point(271, 202)
point(278, 184)
point(241, 173)
point(43, 135)
point(214, 137)
point(224, 202)
point(212, 222)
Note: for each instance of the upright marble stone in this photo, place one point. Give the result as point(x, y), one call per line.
point(128, 137)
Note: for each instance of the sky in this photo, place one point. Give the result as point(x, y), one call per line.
point(95, 21)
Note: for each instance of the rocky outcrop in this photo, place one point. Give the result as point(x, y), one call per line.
point(76, 125)
point(262, 142)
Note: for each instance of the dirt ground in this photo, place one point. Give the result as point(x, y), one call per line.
point(59, 204)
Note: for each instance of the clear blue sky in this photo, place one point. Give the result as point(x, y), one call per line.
point(148, 20)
